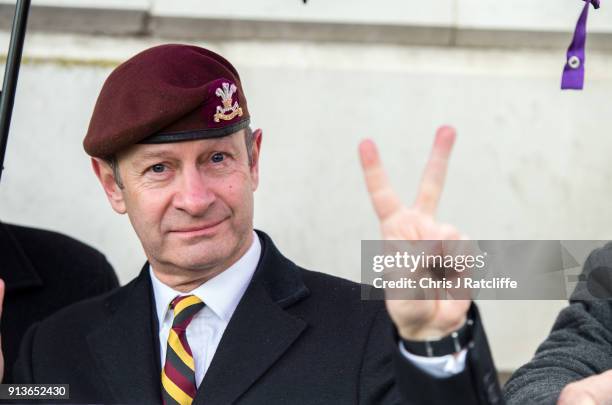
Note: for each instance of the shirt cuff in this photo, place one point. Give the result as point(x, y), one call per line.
point(440, 367)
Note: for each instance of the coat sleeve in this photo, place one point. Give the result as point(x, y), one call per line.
point(407, 384)
point(579, 345)
point(476, 384)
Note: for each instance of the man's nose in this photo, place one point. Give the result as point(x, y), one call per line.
point(194, 195)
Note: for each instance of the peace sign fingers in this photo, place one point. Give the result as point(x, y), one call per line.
point(432, 182)
point(385, 200)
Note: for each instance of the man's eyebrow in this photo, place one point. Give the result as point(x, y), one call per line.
point(154, 155)
point(165, 154)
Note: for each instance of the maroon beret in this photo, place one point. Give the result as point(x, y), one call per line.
point(168, 93)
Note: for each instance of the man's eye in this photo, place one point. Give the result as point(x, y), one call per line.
point(217, 157)
point(158, 168)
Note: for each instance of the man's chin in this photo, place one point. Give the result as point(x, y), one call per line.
point(196, 264)
point(204, 255)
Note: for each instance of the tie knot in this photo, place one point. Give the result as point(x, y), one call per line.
point(185, 307)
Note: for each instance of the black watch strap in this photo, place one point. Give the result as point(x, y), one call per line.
point(453, 343)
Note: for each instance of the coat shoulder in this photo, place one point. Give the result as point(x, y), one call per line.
point(84, 316)
point(55, 251)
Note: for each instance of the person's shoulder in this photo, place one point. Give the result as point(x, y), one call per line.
point(53, 250)
point(323, 290)
point(317, 279)
point(43, 240)
point(344, 306)
point(601, 256)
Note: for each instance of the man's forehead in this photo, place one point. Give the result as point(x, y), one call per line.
point(177, 149)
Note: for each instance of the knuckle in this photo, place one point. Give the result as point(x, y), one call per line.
point(574, 392)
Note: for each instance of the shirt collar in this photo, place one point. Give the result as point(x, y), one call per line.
point(221, 293)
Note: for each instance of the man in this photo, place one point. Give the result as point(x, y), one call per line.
point(218, 315)
point(39, 278)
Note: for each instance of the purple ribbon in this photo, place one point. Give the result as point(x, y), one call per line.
point(573, 73)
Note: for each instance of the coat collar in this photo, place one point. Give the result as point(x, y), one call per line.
point(277, 275)
point(126, 347)
point(17, 269)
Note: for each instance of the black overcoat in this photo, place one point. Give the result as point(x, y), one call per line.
point(296, 337)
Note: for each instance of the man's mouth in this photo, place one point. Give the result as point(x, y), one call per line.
point(199, 230)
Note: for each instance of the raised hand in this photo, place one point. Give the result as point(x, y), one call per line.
point(416, 319)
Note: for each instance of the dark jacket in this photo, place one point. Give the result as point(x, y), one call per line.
point(44, 272)
point(580, 343)
point(296, 337)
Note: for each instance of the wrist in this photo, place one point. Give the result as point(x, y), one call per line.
point(451, 343)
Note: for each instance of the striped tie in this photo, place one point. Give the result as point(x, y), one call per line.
point(178, 375)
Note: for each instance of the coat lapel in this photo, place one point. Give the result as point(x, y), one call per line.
point(126, 347)
point(260, 330)
point(16, 269)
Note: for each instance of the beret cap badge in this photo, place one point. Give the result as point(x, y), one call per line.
point(229, 110)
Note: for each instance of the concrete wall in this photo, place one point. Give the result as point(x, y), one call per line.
point(543, 23)
point(531, 162)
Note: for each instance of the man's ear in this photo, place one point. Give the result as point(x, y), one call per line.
point(257, 136)
point(107, 178)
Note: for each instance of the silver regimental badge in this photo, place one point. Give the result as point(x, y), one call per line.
point(228, 110)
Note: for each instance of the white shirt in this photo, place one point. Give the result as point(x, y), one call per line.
point(440, 367)
point(221, 295)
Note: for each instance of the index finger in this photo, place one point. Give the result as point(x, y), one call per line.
point(384, 199)
point(432, 182)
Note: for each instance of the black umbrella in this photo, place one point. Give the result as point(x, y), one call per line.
point(11, 72)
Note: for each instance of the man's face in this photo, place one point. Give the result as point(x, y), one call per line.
point(191, 203)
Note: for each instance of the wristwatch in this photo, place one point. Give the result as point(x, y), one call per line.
point(453, 343)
